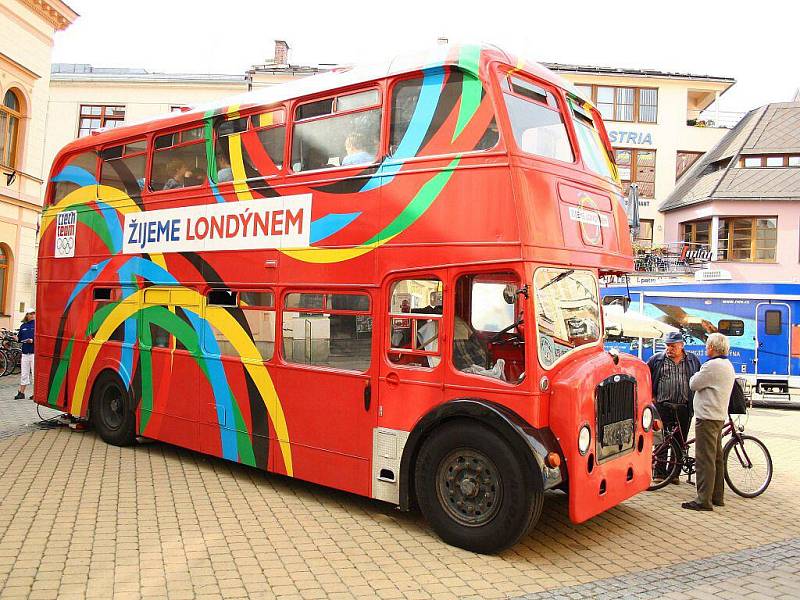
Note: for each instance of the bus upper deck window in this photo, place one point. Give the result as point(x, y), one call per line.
point(337, 132)
point(179, 160)
point(593, 151)
point(82, 167)
point(536, 120)
point(422, 105)
point(123, 167)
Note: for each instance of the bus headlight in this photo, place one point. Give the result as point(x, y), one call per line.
point(647, 418)
point(584, 439)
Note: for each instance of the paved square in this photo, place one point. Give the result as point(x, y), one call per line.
point(81, 519)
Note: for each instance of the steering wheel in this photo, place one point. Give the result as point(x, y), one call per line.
point(495, 339)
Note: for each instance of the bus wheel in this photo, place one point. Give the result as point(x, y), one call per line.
point(474, 490)
point(112, 412)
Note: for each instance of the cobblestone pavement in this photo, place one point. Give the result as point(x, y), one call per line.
point(17, 416)
point(81, 519)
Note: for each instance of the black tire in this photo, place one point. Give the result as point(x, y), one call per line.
point(16, 362)
point(474, 489)
point(112, 411)
point(3, 363)
point(666, 463)
point(748, 463)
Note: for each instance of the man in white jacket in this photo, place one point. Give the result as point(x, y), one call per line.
point(712, 385)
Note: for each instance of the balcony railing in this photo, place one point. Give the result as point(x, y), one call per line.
point(724, 119)
point(676, 258)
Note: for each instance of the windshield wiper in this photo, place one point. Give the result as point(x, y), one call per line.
point(558, 278)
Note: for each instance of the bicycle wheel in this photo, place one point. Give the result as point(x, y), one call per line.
point(748, 466)
point(4, 370)
point(666, 463)
point(16, 362)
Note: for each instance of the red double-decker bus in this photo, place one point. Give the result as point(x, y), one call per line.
point(382, 280)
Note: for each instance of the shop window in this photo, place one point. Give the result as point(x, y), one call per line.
point(415, 318)
point(696, 233)
point(10, 119)
point(179, 160)
point(747, 239)
point(123, 167)
point(487, 337)
point(97, 116)
point(337, 132)
point(5, 274)
point(327, 330)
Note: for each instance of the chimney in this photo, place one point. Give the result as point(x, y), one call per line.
point(281, 52)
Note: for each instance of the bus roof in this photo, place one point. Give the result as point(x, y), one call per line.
point(469, 57)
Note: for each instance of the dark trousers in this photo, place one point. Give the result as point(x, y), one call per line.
point(709, 465)
point(668, 416)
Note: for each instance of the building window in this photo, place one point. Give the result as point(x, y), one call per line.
point(637, 166)
point(772, 160)
point(627, 104)
point(794, 161)
point(94, 116)
point(747, 239)
point(5, 268)
point(775, 161)
point(697, 234)
point(10, 117)
point(645, 235)
point(685, 160)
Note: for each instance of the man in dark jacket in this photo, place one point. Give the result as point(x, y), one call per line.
point(670, 372)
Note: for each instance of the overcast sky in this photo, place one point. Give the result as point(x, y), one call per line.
point(756, 46)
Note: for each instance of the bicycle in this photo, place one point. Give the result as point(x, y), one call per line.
point(10, 353)
point(748, 463)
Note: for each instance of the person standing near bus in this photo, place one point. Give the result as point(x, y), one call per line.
point(712, 385)
point(670, 372)
point(26, 332)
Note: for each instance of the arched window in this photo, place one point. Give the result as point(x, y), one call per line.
point(4, 275)
point(10, 115)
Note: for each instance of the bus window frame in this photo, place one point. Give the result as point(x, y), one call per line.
point(505, 72)
point(147, 153)
point(281, 308)
point(498, 148)
point(292, 120)
point(250, 115)
point(65, 160)
point(386, 345)
point(600, 128)
point(535, 300)
point(179, 129)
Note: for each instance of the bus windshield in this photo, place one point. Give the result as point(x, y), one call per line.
point(567, 313)
point(595, 155)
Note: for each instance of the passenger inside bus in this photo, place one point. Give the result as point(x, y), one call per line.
point(176, 170)
point(355, 146)
point(224, 171)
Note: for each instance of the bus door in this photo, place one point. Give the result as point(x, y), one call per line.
point(411, 371)
point(165, 336)
point(772, 339)
point(326, 388)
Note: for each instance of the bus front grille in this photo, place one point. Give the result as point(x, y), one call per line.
point(615, 399)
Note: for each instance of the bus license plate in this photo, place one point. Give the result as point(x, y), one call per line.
point(617, 434)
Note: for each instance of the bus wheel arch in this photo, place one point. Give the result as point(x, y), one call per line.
point(112, 410)
point(492, 427)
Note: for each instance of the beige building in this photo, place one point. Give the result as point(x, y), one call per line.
point(84, 98)
point(659, 125)
point(27, 28)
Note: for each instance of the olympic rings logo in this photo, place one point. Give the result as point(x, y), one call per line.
point(65, 244)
